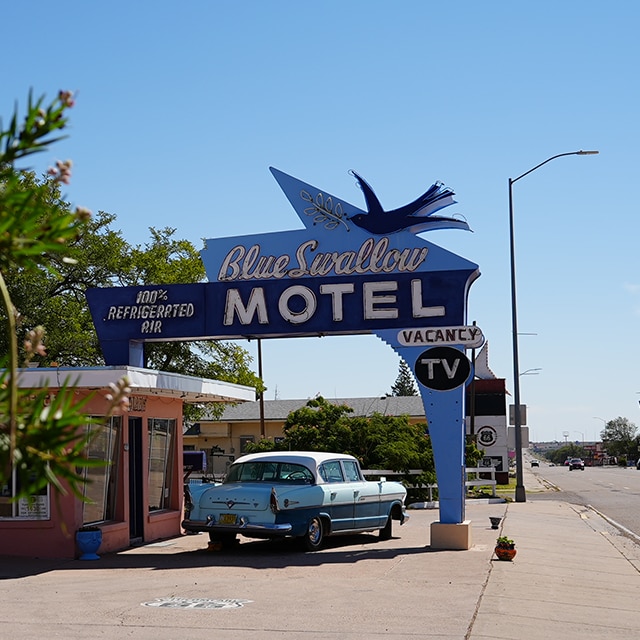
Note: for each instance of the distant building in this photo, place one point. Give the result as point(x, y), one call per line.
point(226, 438)
point(486, 418)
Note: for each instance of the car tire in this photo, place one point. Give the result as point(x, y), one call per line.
point(314, 536)
point(385, 532)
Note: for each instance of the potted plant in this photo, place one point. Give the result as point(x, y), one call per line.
point(89, 539)
point(505, 548)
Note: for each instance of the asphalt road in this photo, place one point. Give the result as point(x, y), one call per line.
point(613, 491)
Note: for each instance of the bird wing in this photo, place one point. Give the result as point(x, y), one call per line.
point(417, 216)
point(419, 224)
point(435, 198)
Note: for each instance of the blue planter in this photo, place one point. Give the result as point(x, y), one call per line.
point(88, 543)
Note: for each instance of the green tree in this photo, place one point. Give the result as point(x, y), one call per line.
point(618, 437)
point(102, 258)
point(40, 439)
point(55, 297)
point(571, 450)
point(318, 426)
point(472, 455)
point(379, 441)
point(404, 384)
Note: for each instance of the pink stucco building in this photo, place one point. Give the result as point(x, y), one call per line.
point(138, 496)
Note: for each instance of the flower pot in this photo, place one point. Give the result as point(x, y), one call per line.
point(495, 522)
point(88, 543)
point(505, 553)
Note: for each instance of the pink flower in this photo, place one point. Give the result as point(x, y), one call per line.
point(66, 97)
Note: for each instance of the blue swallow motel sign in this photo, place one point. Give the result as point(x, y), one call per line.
point(349, 271)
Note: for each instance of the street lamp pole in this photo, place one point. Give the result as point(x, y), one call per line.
point(520, 491)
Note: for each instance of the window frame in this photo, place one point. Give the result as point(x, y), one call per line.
point(154, 428)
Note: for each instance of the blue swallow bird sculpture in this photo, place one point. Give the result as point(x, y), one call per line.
point(417, 216)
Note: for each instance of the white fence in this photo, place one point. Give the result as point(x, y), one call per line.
point(471, 478)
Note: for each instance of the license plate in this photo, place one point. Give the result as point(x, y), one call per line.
point(227, 518)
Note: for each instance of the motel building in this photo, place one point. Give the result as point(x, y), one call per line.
point(137, 497)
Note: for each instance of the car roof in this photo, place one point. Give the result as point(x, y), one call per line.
point(306, 458)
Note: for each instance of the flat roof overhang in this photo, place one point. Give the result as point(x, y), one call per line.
point(141, 381)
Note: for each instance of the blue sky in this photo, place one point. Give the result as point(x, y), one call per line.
point(183, 106)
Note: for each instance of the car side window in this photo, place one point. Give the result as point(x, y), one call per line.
point(295, 473)
point(331, 471)
point(351, 470)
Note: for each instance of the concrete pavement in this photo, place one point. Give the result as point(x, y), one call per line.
point(575, 576)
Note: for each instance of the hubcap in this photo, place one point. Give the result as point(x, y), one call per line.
point(314, 531)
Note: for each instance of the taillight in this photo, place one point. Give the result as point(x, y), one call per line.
point(188, 501)
point(273, 501)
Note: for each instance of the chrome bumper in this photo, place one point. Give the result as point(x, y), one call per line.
point(201, 525)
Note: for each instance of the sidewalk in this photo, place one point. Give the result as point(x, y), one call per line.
point(574, 576)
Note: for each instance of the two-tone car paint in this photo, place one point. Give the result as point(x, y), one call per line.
point(308, 495)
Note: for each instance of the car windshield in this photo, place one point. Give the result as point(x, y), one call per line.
point(284, 472)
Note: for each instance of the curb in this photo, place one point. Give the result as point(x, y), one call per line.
point(436, 505)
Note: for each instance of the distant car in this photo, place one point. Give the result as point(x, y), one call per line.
point(300, 494)
point(535, 463)
point(576, 463)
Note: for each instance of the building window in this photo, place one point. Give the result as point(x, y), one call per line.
point(161, 457)
point(32, 508)
point(244, 441)
point(101, 481)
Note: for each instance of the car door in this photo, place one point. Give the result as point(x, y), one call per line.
point(367, 502)
point(340, 497)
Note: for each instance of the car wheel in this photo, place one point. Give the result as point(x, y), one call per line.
point(385, 532)
point(314, 536)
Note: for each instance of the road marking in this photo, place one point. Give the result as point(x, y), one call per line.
point(196, 603)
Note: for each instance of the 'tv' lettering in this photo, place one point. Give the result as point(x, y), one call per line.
point(450, 370)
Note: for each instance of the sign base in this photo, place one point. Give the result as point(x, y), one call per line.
point(452, 537)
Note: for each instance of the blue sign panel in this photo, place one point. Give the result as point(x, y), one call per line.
point(349, 271)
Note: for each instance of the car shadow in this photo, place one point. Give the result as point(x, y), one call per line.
point(251, 554)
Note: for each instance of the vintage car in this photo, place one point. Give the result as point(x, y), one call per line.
point(302, 494)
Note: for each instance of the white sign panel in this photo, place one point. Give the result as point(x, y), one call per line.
point(511, 437)
point(523, 414)
point(471, 337)
point(34, 508)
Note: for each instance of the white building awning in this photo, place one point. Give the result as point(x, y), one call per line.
point(141, 381)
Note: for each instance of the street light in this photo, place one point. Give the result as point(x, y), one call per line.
point(531, 372)
point(520, 492)
point(604, 422)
